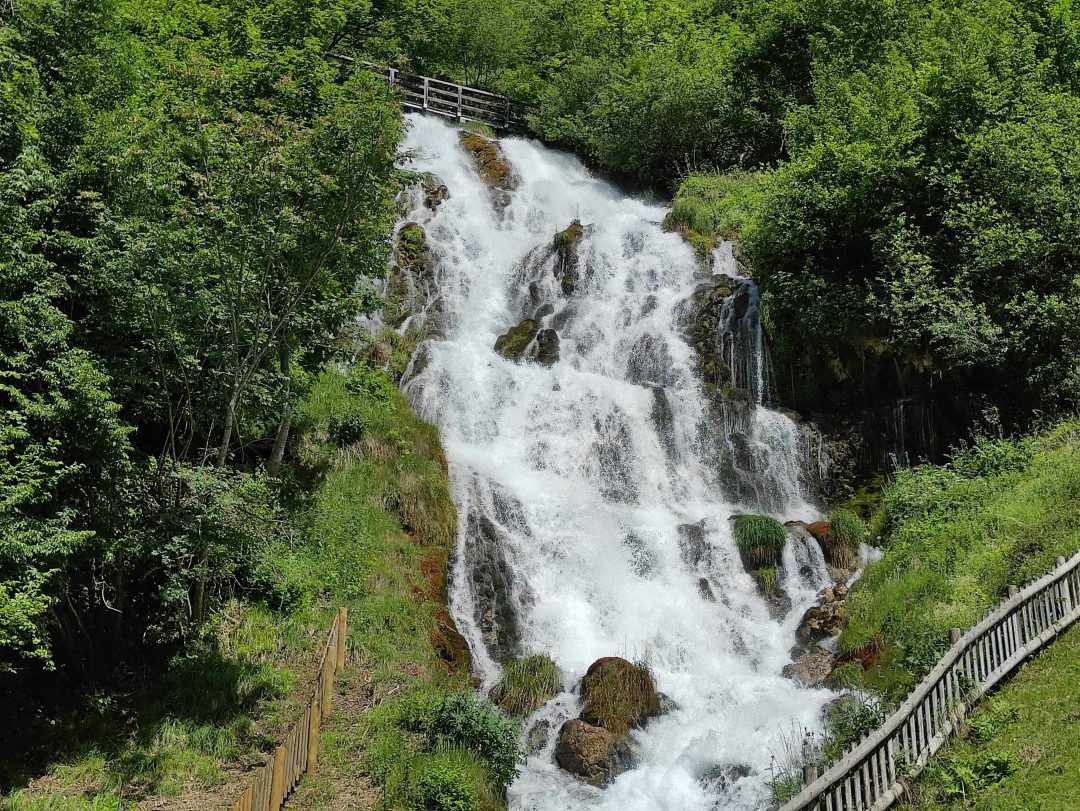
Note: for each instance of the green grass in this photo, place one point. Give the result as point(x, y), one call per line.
point(955, 537)
point(526, 685)
point(709, 207)
point(841, 542)
point(766, 580)
point(1022, 748)
point(760, 539)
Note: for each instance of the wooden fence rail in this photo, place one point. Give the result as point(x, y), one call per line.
point(274, 782)
point(873, 774)
point(427, 95)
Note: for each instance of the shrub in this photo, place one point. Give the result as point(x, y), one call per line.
point(841, 542)
point(446, 783)
point(461, 721)
point(526, 684)
point(760, 539)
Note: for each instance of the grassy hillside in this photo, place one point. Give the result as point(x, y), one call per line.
point(376, 531)
point(955, 537)
point(1021, 751)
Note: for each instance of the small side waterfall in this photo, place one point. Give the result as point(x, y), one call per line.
point(597, 477)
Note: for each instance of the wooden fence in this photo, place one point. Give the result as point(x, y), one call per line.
point(873, 773)
point(275, 781)
point(427, 95)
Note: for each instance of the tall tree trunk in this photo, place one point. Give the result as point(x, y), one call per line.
point(285, 424)
point(230, 424)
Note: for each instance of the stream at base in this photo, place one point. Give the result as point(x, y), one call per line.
point(595, 495)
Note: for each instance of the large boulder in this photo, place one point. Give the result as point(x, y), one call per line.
point(593, 753)
point(618, 695)
point(490, 161)
point(409, 275)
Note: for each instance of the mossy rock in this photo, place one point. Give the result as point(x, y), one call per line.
point(526, 685)
point(618, 695)
point(412, 247)
point(435, 191)
point(489, 160)
point(566, 255)
point(513, 343)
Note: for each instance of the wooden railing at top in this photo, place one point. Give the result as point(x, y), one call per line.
point(873, 774)
point(427, 95)
point(275, 781)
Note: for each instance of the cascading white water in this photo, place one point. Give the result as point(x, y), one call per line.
point(572, 481)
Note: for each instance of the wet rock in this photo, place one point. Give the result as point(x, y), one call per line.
point(513, 343)
point(492, 586)
point(618, 695)
point(613, 450)
point(693, 548)
point(705, 590)
point(435, 191)
point(820, 622)
point(538, 735)
point(810, 669)
point(547, 347)
point(642, 559)
point(663, 419)
point(649, 361)
point(721, 777)
point(566, 256)
point(591, 752)
point(490, 162)
point(409, 277)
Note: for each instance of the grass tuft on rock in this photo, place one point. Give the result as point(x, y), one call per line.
point(766, 580)
point(526, 685)
point(760, 539)
point(841, 542)
point(619, 695)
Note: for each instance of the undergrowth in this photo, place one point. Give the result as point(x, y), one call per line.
point(955, 537)
point(374, 530)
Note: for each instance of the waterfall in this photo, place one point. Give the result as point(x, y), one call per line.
point(575, 481)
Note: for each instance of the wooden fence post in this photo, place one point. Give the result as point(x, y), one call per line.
point(425, 92)
point(343, 614)
point(277, 784)
point(1064, 597)
point(326, 683)
point(313, 736)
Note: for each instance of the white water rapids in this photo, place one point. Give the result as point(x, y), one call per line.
point(571, 489)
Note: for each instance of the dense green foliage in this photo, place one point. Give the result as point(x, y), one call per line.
point(903, 175)
point(955, 537)
point(379, 519)
point(190, 205)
